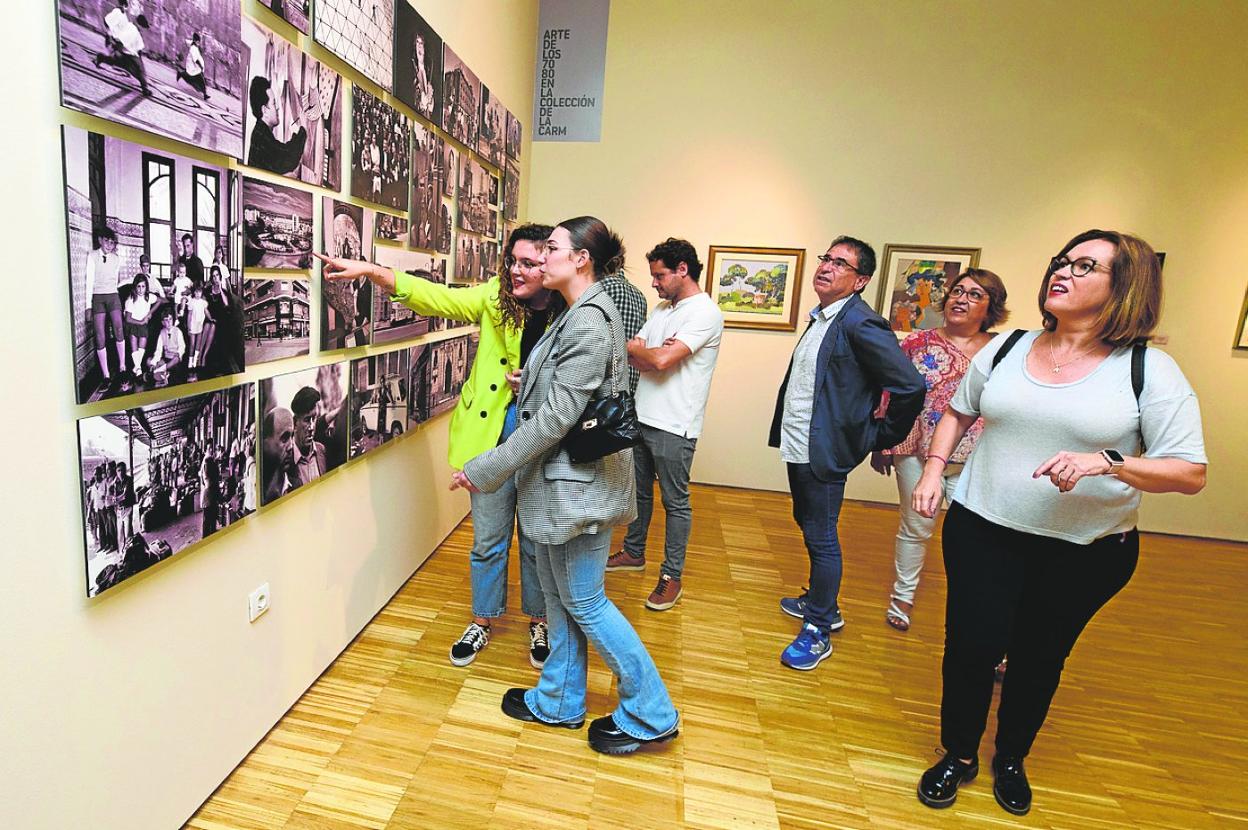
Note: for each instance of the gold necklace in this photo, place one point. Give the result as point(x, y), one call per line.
point(1057, 367)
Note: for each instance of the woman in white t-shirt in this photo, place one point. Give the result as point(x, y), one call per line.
point(1041, 532)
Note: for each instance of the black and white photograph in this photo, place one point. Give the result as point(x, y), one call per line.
point(380, 151)
point(511, 191)
point(297, 13)
point(417, 64)
point(515, 134)
point(476, 186)
point(303, 428)
point(159, 478)
point(153, 271)
point(491, 143)
point(390, 228)
point(393, 321)
point(461, 93)
point(468, 262)
point(277, 226)
point(361, 32)
point(170, 67)
point(428, 231)
point(378, 400)
point(450, 164)
point(293, 112)
point(418, 385)
point(346, 306)
point(448, 370)
point(278, 320)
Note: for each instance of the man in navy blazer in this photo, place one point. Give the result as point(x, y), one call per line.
point(849, 390)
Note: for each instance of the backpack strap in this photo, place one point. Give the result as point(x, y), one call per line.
point(1137, 368)
point(1012, 338)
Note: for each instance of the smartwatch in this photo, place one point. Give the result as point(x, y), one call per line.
point(1115, 460)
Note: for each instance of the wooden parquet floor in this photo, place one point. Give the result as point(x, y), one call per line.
point(1147, 730)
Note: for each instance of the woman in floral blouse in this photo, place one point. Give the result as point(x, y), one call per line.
point(974, 303)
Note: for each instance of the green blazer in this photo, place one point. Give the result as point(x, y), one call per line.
point(477, 421)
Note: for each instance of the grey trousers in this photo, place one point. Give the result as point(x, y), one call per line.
point(669, 457)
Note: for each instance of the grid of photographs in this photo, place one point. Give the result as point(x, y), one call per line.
point(277, 226)
point(277, 319)
point(293, 113)
point(379, 398)
point(380, 151)
point(417, 64)
point(157, 479)
point(361, 32)
point(303, 428)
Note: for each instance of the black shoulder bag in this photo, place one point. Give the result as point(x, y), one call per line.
point(608, 424)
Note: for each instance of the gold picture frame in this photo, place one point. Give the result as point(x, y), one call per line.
point(756, 288)
point(1241, 331)
point(912, 280)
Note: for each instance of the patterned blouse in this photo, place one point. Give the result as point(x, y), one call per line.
point(942, 366)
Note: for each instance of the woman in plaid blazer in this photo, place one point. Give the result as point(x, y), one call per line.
point(568, 508)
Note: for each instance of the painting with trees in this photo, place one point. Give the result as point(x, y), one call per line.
point(756, 288)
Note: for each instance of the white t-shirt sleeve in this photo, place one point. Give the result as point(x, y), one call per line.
point(701, 329)
point(644, 331)
point(1169, 412)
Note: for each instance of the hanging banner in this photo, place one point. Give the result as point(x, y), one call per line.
point(571, 65)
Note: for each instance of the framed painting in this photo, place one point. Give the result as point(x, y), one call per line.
point(913, 280)
point(1241, 332)
point(756, 288)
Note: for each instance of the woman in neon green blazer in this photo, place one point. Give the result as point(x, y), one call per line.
point(513, 311)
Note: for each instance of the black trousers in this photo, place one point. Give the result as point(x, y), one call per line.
point(1024, 595)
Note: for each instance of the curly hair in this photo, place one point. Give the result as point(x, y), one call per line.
point(674, 251)
point(513, 310)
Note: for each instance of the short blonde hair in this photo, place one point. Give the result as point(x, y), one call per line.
point(1134, 304)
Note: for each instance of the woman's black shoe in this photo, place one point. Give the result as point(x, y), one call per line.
point(1010, 785)
point(606, 737)
point(939, 785)
point(515, 707)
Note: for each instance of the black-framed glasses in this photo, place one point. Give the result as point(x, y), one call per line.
point(974, 294)
point(1080, 267)
point(838, 263)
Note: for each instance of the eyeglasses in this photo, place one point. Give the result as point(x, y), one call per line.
point(523, 264)
point(838, 263)
point(551, 248)
point(974, 295)
point(1080, 267)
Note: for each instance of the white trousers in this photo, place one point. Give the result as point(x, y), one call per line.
point(915, 528)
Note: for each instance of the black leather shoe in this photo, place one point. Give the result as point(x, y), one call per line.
point(1010, 785)
point(606, 737)
point(515, 707)
point(939, 785)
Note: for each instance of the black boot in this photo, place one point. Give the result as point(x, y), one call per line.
point(1010, 784)
point(939, 785)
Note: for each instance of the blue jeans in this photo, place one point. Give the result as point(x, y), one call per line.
point(669, 456)
point(493, 519)
point(816, 509)
point(580, 613)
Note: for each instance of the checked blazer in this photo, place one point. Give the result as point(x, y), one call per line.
point(556, 499)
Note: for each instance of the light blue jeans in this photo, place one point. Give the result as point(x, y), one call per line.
point(580, 613)
point(493, 518)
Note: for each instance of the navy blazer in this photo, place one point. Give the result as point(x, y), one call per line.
point(859, 365)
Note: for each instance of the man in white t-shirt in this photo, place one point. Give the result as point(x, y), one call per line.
point(675, 351)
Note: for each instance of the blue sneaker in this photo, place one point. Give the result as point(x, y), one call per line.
point(796, 607)
point(809, 649)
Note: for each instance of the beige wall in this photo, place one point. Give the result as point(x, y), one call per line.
point(1009, 127)
point(128, 710)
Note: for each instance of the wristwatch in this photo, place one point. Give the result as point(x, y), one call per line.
point(1115, 460)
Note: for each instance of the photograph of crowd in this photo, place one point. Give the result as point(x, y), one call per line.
point(166, 66)
point(461, 94)
point(303, 428)
point(430, 218)
point(491, 143)
point(417, 64)
point(346, 307)
point(515, 133)
point(511, 191)
point(295, 12)
point(159, 478)
point(390, 227)
point(379, 385)
point(380, 151)
point(448, 369)
point(277, 226)
point(277, 319)
point(476, 187)
point(153, 288)
point(361, 32)
point(393, 321)
point(293, 112)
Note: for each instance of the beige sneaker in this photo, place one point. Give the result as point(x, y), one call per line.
point(665, 594)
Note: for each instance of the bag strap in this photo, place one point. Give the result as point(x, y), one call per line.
point(615, 375)
point(1137, 368)
point(1012, 338)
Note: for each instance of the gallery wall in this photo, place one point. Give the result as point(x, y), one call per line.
point(785, 124)
point(127, 710)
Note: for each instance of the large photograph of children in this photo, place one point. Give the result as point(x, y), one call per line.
point(159, 478)
point(153, 270)
point(379, 393)
point(303, 428)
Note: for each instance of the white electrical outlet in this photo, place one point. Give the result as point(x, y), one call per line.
point(258, 602)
